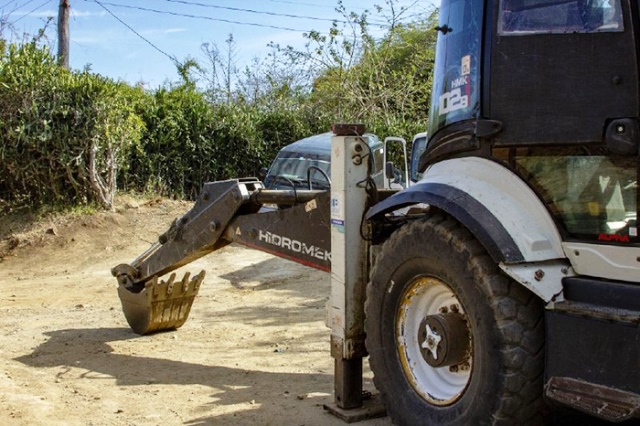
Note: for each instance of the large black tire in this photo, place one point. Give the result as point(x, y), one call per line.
point(435, 269)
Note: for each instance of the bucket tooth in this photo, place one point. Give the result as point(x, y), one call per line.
point(160, 305)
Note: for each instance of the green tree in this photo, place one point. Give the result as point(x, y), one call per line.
point(381, 81)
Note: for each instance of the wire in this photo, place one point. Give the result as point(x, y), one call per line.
point(311, 4)
point(235, 9)
point(33, 10)
point(200, 17)
point(7, 4)
point(187, 15)
point(300, 3)
point(172, 58)
point(21, 6)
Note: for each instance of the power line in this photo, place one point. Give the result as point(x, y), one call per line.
point(301, 4)
point(33, 10)
point(173, 59)
point(324, 6)
point(185, 15)
point(259, 12)
point(7, 4)
point(377, 23)
point(21, 6)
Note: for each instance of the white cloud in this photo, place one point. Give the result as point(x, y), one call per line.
point(39, 14)
point(85, 13)
point(54, 13)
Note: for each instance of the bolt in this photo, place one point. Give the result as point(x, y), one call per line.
point(465, 366)
point(357, 160)
point(444, 310)
point(358, 147)
point(213, 226)
point(453, 369)
point(576, 252)
point(539, 275)
point(455, 308)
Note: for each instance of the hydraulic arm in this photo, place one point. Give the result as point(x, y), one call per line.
point(226, 211)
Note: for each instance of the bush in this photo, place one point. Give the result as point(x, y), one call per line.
point(65, 135)
point(189, 141)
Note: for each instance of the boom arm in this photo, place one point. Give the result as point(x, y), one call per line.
point(226, 211)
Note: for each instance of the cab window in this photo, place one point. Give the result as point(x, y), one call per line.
point(593, 195)
point(559, 16)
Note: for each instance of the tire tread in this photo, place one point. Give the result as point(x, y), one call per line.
point(518, 316)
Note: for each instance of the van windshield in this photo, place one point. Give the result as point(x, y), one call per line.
point(288, 171)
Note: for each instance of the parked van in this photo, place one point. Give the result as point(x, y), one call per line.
point(306, 164)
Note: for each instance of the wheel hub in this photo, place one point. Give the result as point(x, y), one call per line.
point(444, 339)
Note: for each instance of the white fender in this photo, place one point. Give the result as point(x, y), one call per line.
point(508, 198)
point(522, 214)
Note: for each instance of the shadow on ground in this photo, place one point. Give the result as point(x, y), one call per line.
point(90, 349)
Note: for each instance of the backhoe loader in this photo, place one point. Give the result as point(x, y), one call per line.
point(507, 279)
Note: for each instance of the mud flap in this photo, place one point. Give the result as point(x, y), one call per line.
point(160, 305)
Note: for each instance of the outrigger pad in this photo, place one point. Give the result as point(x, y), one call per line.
point(160, 306)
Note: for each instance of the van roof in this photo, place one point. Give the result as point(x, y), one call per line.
point(321, 144)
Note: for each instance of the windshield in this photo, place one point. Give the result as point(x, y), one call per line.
point(288, 171)
point(592, 195)
point(456, 84)
point(559, 16)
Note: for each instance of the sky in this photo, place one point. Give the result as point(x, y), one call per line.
point(134, 40)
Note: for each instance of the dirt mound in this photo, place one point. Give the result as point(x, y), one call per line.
point(23, 234)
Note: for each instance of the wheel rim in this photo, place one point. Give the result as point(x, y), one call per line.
point(425, 298)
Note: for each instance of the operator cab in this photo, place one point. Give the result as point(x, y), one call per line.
point(549, 89)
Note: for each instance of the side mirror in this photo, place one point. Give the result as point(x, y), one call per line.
point(262, 174)
point(395, 175)
point(389, 170)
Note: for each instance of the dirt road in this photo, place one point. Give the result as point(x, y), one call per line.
point(255, 350)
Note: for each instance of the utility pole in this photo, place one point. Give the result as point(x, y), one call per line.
point(63, 33)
